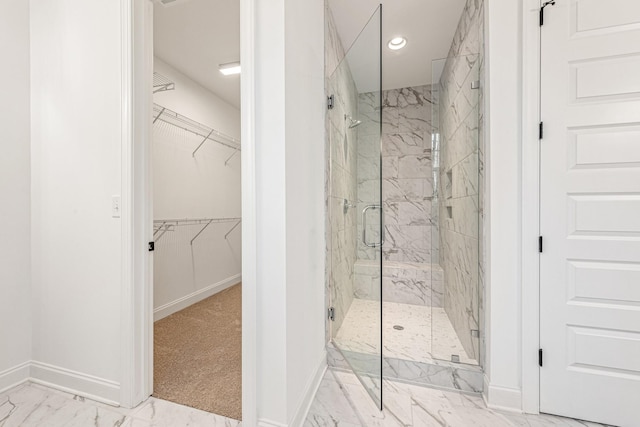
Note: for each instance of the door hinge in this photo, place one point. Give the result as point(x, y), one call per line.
point(540, 357)
point(330, 101)
point(152, 246)
point(540, 130)
point(549, 3)
point(540, 244)
point(332, 313)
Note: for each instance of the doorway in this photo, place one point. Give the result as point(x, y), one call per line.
point(195, 161)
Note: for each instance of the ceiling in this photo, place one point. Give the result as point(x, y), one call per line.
point(428, 26)
point(195, 36)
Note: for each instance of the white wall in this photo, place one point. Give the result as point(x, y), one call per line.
point(186, 186)
point(15, 294)
point(290, 210)
point(76, 103)
point(503, 282)
point(270, 161)
point(305, 105)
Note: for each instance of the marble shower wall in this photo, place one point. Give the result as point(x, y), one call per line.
point(340, 177)
point(461, 179)
point(407, 187)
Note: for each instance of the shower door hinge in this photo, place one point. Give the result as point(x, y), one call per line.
point(330, 101)
point(332, 314)
point(540, 357)
point(152, 246)
point(552, 2)
point(540, 244)
point(540, 130)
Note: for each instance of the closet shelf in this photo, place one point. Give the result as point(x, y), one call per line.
point(166, 115)
point(162, 83)
point(161, 226)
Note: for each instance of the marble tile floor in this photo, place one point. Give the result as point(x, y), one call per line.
point(427, 332)
point(33, 405)
point(339, 402)
point(342, 402)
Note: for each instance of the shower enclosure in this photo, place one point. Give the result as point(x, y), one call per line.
point(404, 210)
point(355, 201)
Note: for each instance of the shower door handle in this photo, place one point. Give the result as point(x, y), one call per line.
point(364, 226)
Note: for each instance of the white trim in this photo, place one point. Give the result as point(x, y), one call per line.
point(14, 376)
point(136, 334)
point(310, 392)
point(249, 216)
point(74, 382)
point(128, 310)
point(502, 398)
point(194, 297)
point(137, 328)
point(530, 302)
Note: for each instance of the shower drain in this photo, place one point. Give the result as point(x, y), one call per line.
point(398, 327)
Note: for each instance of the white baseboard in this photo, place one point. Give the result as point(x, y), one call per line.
point(502, 398)
point(73, 382)
point(269, 423)
point(194, 297)
point(310, 392)
point(14, 376)
point(305, 401)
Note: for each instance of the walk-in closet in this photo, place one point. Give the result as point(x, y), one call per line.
point(197, 291)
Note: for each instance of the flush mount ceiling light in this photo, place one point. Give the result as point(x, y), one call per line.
point(397, 43)
point(230, 68)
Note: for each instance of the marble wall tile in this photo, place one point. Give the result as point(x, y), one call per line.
point(406, 189)
point(442, 374)
point(334, 50)
point(416, 284)
point(408, 213)
point(411, 243)
point(465, 173)
point(341, 183)
point(414, 166)
point(402, 144)
point(460, 180)
point(405, 147)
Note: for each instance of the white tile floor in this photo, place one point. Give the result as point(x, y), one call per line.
point(32, 405)
point(417, 342)
point(342, 402)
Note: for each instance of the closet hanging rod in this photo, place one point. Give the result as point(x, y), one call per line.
point(168, 116)
point(161, 226)
point(192, 221)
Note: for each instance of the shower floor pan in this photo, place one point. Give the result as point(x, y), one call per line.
point(409, 353)
point(427, 333)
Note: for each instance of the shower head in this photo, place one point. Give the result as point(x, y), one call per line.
point(352, 122)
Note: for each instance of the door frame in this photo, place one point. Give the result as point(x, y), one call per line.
point(531, 167)
point(137, 269)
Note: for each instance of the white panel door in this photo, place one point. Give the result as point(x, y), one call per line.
point(590, 211)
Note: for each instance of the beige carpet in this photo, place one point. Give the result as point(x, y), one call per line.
point(198, 355)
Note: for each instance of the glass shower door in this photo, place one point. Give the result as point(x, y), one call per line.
point(456, 280)
point(355, 207)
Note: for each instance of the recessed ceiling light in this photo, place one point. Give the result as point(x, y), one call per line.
point(230, 68)
point(397, 43)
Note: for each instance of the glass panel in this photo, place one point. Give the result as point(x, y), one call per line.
point(355, 206)
point(455, 237)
